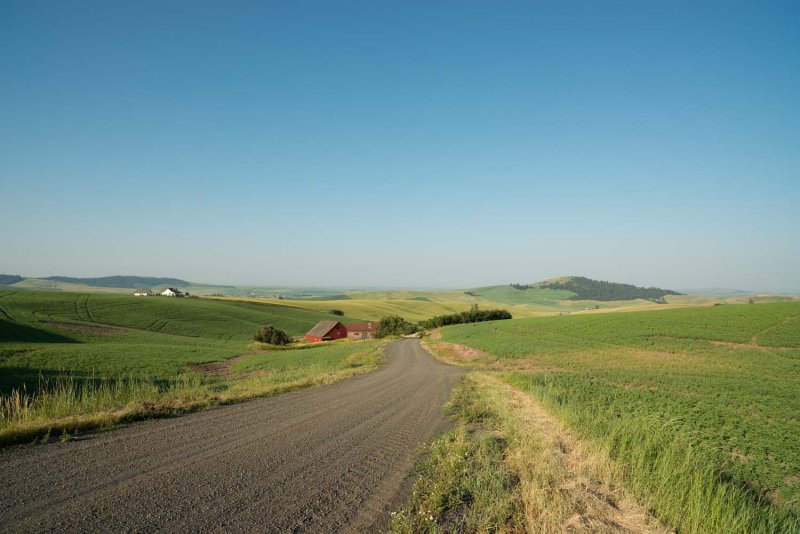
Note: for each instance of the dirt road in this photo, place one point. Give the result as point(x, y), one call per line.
point(332, 459)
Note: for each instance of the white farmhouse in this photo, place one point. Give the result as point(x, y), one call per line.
point(170, 292)
point(142, 293)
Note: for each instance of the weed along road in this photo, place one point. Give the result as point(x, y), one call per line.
point(329, 459)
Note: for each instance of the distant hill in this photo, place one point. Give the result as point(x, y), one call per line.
point(8, 279)
point(588, 289)
point(121, 281)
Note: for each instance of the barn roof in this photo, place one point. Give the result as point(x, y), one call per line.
point(362, 327)
point(322, 328)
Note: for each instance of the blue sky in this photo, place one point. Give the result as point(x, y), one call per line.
point(447, 144)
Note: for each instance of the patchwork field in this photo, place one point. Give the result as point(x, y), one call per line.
point(373, 309)
point(697, 407)
point(417, 306)
point(67, 355)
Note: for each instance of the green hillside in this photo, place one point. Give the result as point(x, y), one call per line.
point(587, 289)
point(508, 294)
point(47, 334)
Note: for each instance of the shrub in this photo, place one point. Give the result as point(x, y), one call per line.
point(394, 325)
point(336, 312)
point(273, 336)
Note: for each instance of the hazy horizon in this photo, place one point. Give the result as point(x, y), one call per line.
point(212, 283)
point(451, 146)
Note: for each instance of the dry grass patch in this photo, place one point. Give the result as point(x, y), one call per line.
point(566, 486)
point(460, 354)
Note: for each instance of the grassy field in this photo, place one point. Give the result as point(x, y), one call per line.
point(44, 333)
point(411, 308)
point(417, 306)
point(697, 407)
point(76, 360)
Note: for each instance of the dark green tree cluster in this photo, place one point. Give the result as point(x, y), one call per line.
point(394, 325)
point(8, 279)
point(473, 315)
point(521, 287)
point(587, 289)
point(336, 312)
point(273, 336)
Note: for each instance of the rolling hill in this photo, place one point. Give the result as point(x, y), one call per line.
point(588, 289)
point(122, 281)
point(52, 333)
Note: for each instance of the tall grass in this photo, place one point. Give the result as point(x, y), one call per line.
point(676, 474)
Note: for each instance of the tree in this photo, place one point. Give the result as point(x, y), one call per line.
point(336, 312)
point(273, 336)
point(394, 325)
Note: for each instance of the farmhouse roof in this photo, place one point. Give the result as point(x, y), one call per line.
point(322, 328)
point(142, 290)
point(370, 326)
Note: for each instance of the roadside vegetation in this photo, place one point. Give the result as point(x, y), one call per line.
point(509, 466)
point(72, 362)
point(695, 410)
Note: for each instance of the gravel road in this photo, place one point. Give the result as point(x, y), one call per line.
point(330, 459)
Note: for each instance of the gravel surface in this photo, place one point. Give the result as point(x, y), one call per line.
point(330, 459)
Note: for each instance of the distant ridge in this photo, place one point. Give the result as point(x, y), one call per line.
point(8, 279)
point(588, 289)
point(121, 281)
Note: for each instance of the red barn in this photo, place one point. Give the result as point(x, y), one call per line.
point(327, 331)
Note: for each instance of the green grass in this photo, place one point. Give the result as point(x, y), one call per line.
point(109, 352)
point(326, 357)
point(65, 405)
point(465, 484)
point(213, 319)
point(699, 406)
point(411, 308)
point(153, 336)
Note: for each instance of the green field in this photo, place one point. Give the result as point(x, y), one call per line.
point(325, 358)
point(699, 406)
point(90, 359)
point(418, 306)
point(412, 308)
point(506, 294)
point(412, 305)
point(155, 336)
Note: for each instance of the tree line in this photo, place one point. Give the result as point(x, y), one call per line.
point(588, 289)
point(473, 315)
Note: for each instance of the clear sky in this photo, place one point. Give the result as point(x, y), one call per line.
point(429, 144)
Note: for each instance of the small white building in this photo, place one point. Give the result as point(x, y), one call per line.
point(142, 293)
point(170, 292)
